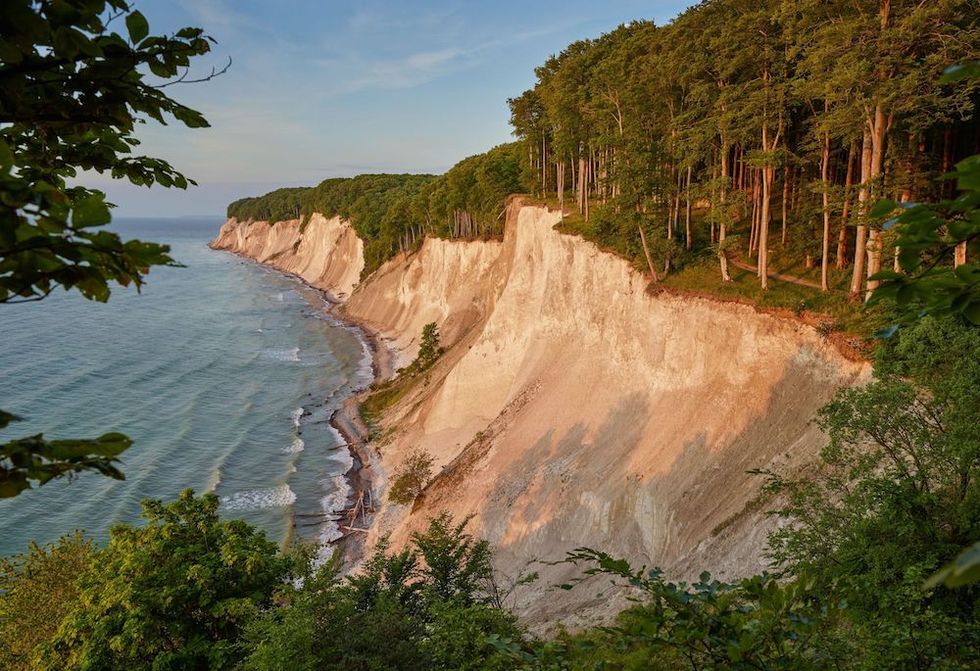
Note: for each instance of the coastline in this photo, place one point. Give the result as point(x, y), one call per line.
point(365, 472)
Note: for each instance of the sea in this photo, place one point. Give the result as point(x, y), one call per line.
point(223, 372)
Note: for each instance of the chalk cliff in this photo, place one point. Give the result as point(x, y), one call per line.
point(572, 407)
point(326, 253)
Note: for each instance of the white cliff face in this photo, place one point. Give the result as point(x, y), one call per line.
point(444, 282)
point(575, 409)
point(326, 253)
point(572, 408)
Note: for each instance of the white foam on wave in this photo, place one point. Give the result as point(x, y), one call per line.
point(337, 498)
point(290, 354)
point(338, 437)
point(295, 447)
point(258, 499)
point(366, 367)
point(296, 414)
point(339, 462)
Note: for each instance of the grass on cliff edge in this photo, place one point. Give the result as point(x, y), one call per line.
point(382, 395)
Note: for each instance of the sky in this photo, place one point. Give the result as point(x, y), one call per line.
point(332, 88)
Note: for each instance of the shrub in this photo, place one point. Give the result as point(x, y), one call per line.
point(37, 589)
point(173, 594)
point(411, 478)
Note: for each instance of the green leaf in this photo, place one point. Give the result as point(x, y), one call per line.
point(90, 212)
point(883, 207)
point(137, 26)
point(958, 73)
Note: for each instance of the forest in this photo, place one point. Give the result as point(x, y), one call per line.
point(394, 213)
point(775, 123)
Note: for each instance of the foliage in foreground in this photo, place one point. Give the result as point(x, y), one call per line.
point(934, 274)
point(426, 607)
point(756, 623)
point(173, 594)
point(37, 589)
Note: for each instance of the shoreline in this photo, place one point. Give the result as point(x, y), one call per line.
point(363, 475)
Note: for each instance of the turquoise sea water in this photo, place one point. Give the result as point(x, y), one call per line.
point(223, 372)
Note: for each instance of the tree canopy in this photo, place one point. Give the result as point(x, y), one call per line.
point(393, 213)
point(738, 117)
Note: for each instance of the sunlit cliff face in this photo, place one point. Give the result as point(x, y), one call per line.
point(572, 408)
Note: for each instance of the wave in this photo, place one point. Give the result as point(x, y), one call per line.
point(333, 503)
point(296, 414)
point(338, 462)
point(259, 499)
point(290, 354)
point(296, 447)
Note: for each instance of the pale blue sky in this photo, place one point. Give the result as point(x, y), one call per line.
point(336, 88)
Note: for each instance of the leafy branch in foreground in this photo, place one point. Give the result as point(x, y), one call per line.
point(72, 91)
point(933, 273)
point(935, 276)
point(34, 459)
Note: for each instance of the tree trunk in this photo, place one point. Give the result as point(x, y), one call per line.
point(754, 234)
point(842, 236)
point(646, 253)
point(824, 167)
point(768, 177)
point(878, 135)
point(560, 169)
point(677, 201)
point(689, 233)
point(786, 174)
point(878, 127)
point(544, 166)
point(959, 255)
point(722, 257)
point(861, 235)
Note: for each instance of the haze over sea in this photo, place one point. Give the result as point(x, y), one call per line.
point(223, 372)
